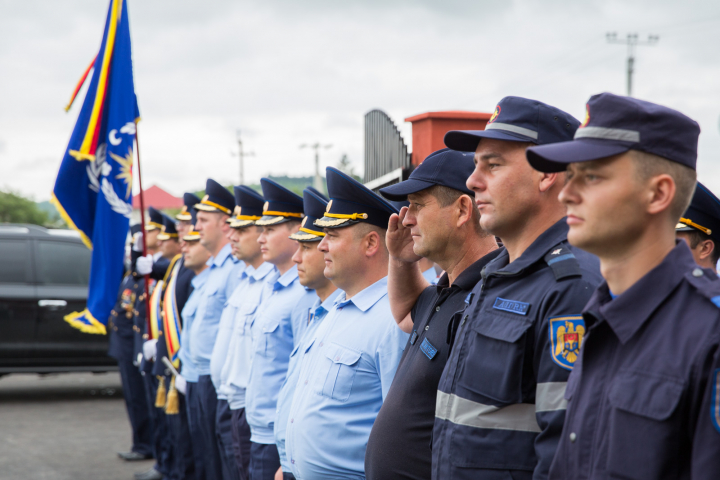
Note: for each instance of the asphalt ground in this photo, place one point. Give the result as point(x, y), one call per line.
point(64, 427)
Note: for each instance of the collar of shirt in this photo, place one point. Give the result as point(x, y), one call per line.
point(469, 277)
point(285, 279)
point(366, 298)
point(222, 256)
point(320, 309)
point(534, 253)
point(627, 313)
point(261, 272)
point(200, 279)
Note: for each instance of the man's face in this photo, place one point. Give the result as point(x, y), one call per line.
point(310, 265)
point(275, 245)
point(151, 240)
point(429, 223)
point(603, 200)
point(244, 243)
point(504, 183)
point(341, 253)
point(194, 254)
point(212, 228)
point(169, 248)
point(183, 227)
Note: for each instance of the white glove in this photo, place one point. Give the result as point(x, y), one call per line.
point(139, 360)
point(150, 349)
point(137, 242)
point(143, 265)
point(180, 384)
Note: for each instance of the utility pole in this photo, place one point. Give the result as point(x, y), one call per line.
point(317, 181)
point(631, 41)
point(241, 155)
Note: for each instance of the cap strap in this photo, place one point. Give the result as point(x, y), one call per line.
point(353, 216)
point(619, 134)
point(282, 214)
point(247, 217)
point(313, 232)
point(217, 205)
point(512, 128)
point(690, 223)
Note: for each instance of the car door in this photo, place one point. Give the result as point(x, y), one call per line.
point(62, 268)
point(18, 306)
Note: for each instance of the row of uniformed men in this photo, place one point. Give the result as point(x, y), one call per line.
point(471, 378)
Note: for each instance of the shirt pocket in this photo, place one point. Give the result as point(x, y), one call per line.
point(493, 367)
point(337, 372)
point(643, 438)
point(269, 341)
point(244, 316)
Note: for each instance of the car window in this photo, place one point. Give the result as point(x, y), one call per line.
point(62, 263)
point(14, 260)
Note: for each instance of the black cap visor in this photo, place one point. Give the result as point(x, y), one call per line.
point(468, 140)
point(556, 157)
point(400, 191)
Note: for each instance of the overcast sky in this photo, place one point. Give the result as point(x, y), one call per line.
point(290, 72)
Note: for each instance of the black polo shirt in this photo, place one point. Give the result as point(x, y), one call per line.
point(399, 444)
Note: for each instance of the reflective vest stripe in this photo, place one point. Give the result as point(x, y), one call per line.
point(550, 397)
point(519, 417)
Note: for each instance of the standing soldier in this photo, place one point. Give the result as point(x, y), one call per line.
point(499, 410)
point(644, 399)
point(700, 227)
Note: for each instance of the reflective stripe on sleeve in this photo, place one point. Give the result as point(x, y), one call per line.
point(519, 417)
point(550, 396)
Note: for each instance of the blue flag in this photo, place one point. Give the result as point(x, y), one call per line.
point(93, 190)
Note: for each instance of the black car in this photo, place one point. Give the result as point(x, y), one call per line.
point(44, 276)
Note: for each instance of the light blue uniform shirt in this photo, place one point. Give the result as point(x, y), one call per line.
point(314, 314)
point(218, 288)
point(222, 343)
point(188, 370)
point(431, 276)
point(274, 331)
point(346, 369)
point(242, 306)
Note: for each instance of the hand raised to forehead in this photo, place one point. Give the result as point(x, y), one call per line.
point(399, 240)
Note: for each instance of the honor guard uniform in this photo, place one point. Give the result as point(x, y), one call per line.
point(700, 227)
point(310, 310)
point(203, 332)
point(347, 365)
point(158, 265)
point(644, 396)
point(275, 330)
point(121, 340)
point(499, 409)
point(186, 213)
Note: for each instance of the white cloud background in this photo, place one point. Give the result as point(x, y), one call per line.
point(291, 72)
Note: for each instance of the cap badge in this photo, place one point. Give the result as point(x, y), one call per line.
point(237, 210)
point(587, 117)
point(495, 114)
point(303, 221)
point(206, 198)
point(329, 206)
point(266, 206)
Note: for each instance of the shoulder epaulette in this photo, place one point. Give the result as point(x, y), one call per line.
point(706, 282)
point(563, 262)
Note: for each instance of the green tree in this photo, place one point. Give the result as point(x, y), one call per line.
point(14, 208)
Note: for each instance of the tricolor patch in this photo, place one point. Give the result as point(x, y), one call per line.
point(566, 337)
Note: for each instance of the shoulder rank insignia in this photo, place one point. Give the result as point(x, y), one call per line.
point(562, 262)
point(566, 338)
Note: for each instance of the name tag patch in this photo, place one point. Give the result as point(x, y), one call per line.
point(512, 306)
point(428, 349)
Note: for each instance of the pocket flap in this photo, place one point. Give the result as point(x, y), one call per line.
point(649, 395)
point(270, 326)
point(211, 290)
point(339, 354)
point(501, 327)
point(247, 309)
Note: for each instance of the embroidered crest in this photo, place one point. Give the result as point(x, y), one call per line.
point(495, 114)
point(587, 116)
point(566, 337)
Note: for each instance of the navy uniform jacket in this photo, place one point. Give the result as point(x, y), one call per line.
point(644, 397)
point(500, 406)
point(120, 322)
point(140, 323)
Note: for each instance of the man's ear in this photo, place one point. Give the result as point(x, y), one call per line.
point(660, 193)
point(465, 206)
point(371, 243)
point(548, 180)
point(706, 248)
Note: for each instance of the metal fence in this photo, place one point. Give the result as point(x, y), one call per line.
point(387, 160)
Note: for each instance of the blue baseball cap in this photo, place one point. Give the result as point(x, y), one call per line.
point(702, 215)
point(445, 167)
point(314, 205)
point(615, 124)
point(518, 119)
point(248, 207)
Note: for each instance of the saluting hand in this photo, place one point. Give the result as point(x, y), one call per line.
point(399, 240)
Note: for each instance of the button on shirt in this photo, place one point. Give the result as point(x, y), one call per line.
point(224, 335)
point(399, 445)
point(314, 311)
point(346, 369)
point(644, 397)
point(218, 288)
point(188, 369)
point(275, 328)
point(242, 306)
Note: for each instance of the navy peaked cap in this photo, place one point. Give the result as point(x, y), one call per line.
point(135, 228)
point(189, 201)
point(444, 167)
point(281, 205)
point(156, 220)
point(352, 202)
point(314, 204)
point(168, 229)
point(518, 119)
point(217, 199)
point(248, 207)
point(703, 214)
point(615, 124)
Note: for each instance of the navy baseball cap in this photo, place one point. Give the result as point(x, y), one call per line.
point(189, 201)
point(314, 205)
point(217, 199)
point(281, 205)
point(445, 167)
point(703, 214)
point(615, 124)
point(352, 202)
point(518, 119)
point(248, 207)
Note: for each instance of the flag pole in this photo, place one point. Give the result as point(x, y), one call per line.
point(144, 243)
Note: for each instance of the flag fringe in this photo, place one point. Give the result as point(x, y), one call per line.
point(74, 319)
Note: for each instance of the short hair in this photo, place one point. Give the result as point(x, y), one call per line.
point(694, 239)
point(363, 228)
point(685, 178)
point(446, 196)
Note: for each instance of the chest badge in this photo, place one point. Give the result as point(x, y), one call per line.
point(566, 338)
